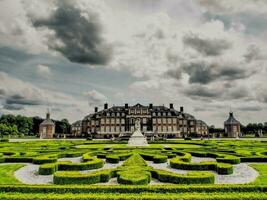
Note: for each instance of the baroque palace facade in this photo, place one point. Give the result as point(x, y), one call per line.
point(160, 121)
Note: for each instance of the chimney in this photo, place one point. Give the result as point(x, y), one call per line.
point(126, 106)
point(231, 114)
point(171, 105)
point(181, 109)
point(96, 109)
point(150, 106)
point(105, 106)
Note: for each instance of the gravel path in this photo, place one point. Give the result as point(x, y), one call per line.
point(73, 160)
point(243, 173)
point(29, 175)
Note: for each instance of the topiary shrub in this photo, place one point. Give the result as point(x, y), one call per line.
point(112, 159)
point(94, 163)
point(75, 177)
point(220, 168)
point(189, 178)
point(160, 159)
point(45, 159)
point(48, 169)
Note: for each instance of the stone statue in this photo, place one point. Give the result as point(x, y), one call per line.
point(137, 125)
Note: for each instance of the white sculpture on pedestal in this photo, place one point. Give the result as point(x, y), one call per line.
point(137, 138)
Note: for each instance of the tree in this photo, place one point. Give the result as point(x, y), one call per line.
point(8, 129)
point(65, 126)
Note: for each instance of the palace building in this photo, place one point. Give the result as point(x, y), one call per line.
point(160, 121)
point(232, 126)
point(47, 128)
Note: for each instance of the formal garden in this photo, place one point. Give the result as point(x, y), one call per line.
point(80, 169)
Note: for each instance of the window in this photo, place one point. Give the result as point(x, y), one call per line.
point(113, 114)
point(169, 129)
point(118, 114)
point(169, 114)
point(144, 111)
point(102, 120)
point(112, 121)
point(144, 120)
point(154, 114)
point(164, 120)
point(107, 121)
point(112, 129)
point(108, 114)
point(144, 128)
point(138, 111)
point(154, 121)
point(169, 120)
point(117, 120)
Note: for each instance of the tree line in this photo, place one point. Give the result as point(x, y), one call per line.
point(251, 128)
point(28, 126)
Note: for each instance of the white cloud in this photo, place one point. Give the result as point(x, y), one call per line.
point(95, 98)
point(43, 71)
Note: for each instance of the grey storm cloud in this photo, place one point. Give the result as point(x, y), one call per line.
point(13, 107)
point(81, 37)
point(207, 47)
point(201, 91)
point(253, 53)
point(22, 100)
point(250, 108)
point(204, 73)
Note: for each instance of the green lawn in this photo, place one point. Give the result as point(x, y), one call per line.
point(7, 173)
point(262, 178)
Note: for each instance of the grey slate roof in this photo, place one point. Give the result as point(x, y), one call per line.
point(231, 119)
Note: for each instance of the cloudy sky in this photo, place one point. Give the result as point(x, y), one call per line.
point(72, 55)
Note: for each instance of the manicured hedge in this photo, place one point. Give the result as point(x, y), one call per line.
point(155, 157)
point(48, 169)
point(63, 178)
point(189, 178)
point(134, 171)
point(19, 159)
point(2, 159)
point(45, 159)
point(228, 159)
point(61, 189)
point(220, 168)
point(183, 156)
point(160, 159)
point(112, 158)
point(94, 163)
point(253, 159)
point(134, 177)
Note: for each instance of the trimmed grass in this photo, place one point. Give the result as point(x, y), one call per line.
point(7, 173)
point(262, 178)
